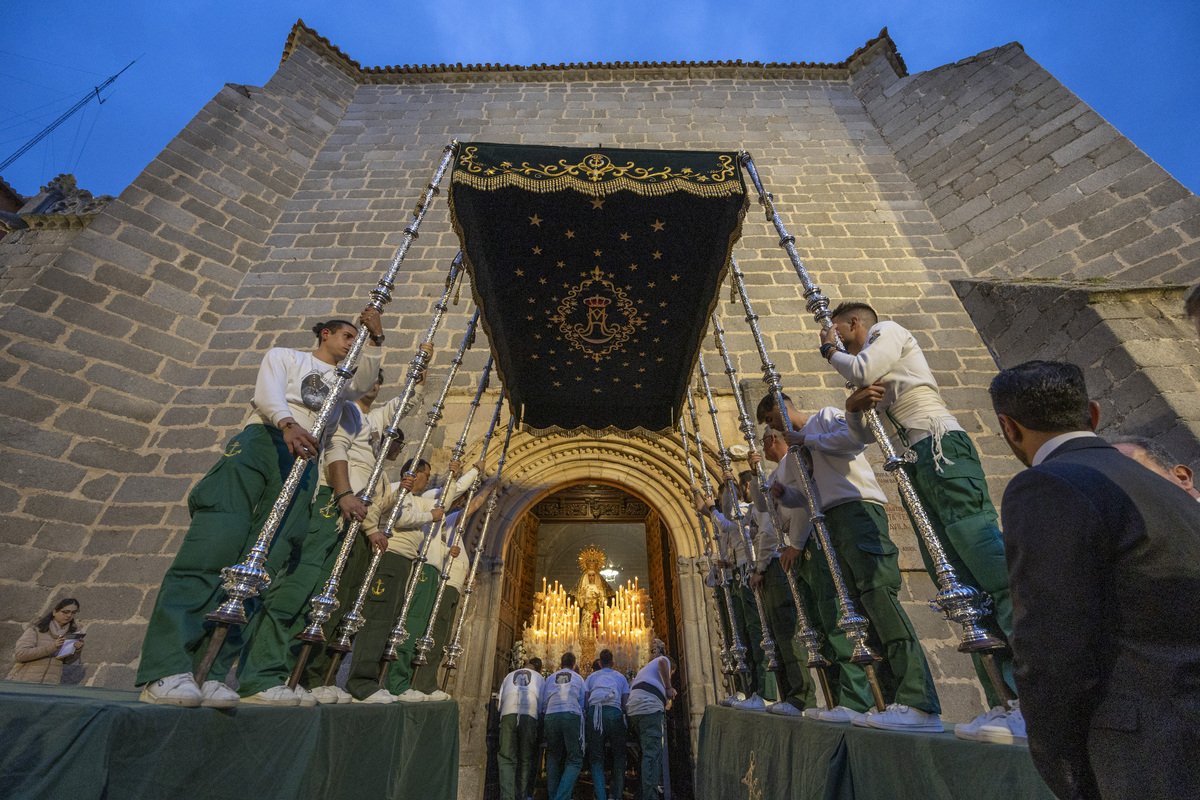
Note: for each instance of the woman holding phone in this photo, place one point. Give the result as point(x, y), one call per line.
point(49, 643)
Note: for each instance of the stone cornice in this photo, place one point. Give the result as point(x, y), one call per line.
point(882, 44)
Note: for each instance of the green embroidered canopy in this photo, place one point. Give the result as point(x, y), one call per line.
point(596, 270)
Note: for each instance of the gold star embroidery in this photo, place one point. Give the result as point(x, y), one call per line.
point(651, 285)
point(538, 336)
point(542, 281)
point(658, 226)
point(535, 220)
point(570, 234)
point(664, 322)
point(556, 383)
point(624, 237)
point(578, 378)
point(624, 363)
point(528, 317)
point(657, 255)
point(554, 369)
point(533, 355)
point(569, 363)
point(656, 340)
point(520, 273)
point(551, 352)
point(633, 266)
point(537, 251)
point(641, 369)
point(643, 355)
point(637, 386)
point(658, 359)
point(597, 391)
point(531, 299)
point(596, 368)
point(674, 277)
point(616, 380)
point(597, 203)
point(663, 304)
point(596, 253)
point(560, 264)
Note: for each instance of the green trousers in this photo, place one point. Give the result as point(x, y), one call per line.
point(229, 507)
point(613, 734)
point(745, 612)
point(564, 754)
point(957, 503)
point(870, 565)
point(271, 655)
point(793, 682)
point(847, 682)
point(321, 659)
point(426, 679)
point(518, 748)
point(650, 730)
point(381, 609)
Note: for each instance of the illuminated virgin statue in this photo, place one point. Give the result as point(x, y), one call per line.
point(592, 593)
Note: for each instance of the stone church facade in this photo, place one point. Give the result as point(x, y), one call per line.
point(980, 204)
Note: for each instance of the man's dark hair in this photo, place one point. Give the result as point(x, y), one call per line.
point(379, 377)
point(1044, 396)
point(331, 326)
point(408, 466)
point(536, 663)
point(606, 658)
point(767, 405)
point(567, 661)
point(1157, 453)
point(860, 310)
point(596, 665)
point(1191, 303)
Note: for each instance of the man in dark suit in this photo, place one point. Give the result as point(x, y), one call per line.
point(1104, 565)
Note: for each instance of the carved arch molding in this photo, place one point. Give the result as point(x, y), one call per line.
point(651, 468)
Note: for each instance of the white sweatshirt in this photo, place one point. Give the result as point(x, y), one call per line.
point(460, 565)
point(295, 384)
point(911, 408)
point(767, 543)
point(840, 467)
point(416, 515)
point(358, 438)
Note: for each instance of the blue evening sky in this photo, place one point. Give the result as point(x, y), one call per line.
point(1131, 60)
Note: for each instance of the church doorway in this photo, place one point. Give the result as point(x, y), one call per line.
point(591, 526)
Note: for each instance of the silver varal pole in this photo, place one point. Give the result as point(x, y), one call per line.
point(850, 621)
point(743, 524)
point(399, 634)
point(425, 643)
point(455, 650)
point(806, 632)
point(737, 650)
point(963, 604)
point(247, 579)
point(726, 659)
point(326, 603)
point(353, 620)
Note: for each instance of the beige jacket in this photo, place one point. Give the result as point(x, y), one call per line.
point(34, 657)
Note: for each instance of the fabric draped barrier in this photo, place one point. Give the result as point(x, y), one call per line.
point(596, 270)
point(759, 756)
point(89, 744)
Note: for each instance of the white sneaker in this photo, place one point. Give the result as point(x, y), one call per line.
point(812, 713)
point(733, 698)
point(381, 696)
point(841, 714)
point(275, 696)
point(325, 695)
point(1007, 729)
point(751, 703)
point(437, 696)
point(217, 695)
point(306, 697)
point(970, 730)
point(342, 695)
point(904, 718)
point(412, 696)
point(173, 690)
point(784, 709)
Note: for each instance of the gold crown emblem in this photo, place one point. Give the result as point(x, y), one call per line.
point(591, 558)
point(597, 301)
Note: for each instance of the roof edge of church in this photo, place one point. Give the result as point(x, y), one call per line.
point(882, 44)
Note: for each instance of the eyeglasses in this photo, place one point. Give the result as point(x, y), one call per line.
point(72, 612)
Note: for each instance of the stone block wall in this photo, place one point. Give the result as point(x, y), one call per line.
point(1026, 179)
point(113, 398)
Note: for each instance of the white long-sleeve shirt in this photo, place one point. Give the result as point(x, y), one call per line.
point(766, 540)
point(359, 436)
point(841, 470)
point(416, 514)
point(295, 384)
point(521, 693)
point(911, 408)
point(460, 565)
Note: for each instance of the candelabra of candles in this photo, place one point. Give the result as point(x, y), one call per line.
point(554, 629)
point(621, 628)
